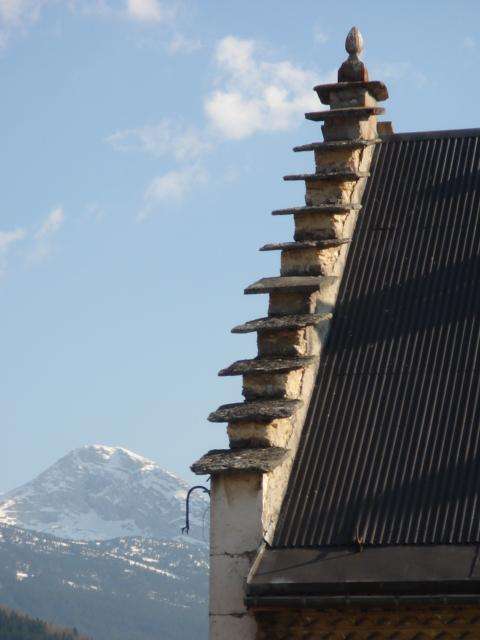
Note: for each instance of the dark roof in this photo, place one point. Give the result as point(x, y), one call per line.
point(390, 448)
point(375, 572)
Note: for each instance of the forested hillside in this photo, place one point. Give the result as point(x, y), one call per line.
point(123, 589)
point(17, 626)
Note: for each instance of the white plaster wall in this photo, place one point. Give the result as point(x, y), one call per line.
point(236, 533)
point(236, 513)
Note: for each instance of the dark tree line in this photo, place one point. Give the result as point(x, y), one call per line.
point(17, 626)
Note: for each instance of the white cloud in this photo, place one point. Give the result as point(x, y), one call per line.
point(256, 95)
point(15, 12)
point(17, 15)
point(166, 138)
point(181, 44)
point(398, 71)
point(94, 211)
point(41, 239)
point(51, 224)
point(171, 188)
point(251, 95)
point(7, 240)
point(44, 235)
point(469, 43)
point(98, 8)
point(145, 10)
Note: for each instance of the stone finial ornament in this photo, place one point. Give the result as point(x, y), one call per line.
point(353, 69)
point(354, 42)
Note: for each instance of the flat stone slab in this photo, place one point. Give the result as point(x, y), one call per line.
point(258, 410)
point(306, 244)
point(377, 89)
point(308, 284)
point(319, 208)
point(328, 175)
point(335, 145)
point(280, 323)
point(342, 112)
point(261, 460)
point(267, 365)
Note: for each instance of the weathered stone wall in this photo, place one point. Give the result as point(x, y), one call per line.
point(378, 623)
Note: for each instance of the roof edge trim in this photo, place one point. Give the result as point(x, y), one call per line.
point(420, 135)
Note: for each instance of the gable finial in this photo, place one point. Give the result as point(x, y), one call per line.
point(354, 42)
point(353, 69)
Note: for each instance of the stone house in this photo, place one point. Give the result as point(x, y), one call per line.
point(348, 506)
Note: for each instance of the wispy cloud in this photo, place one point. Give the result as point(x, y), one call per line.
point(17, 15)
point(17, 12)
point(44, 235)
point(94, 211)
point(7, 240)
point(469, 43)
point(398, 71)
point(171, 187)
point(40, 240)
point(255, 94)
point(183, 44)
point(320, 36)
point(164, 138)
point(51, 224)
point(146, 10)
point(249, 94)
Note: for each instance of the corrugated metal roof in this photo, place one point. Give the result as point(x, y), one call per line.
point(390, 451)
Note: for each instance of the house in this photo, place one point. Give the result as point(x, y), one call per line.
point(348, 504)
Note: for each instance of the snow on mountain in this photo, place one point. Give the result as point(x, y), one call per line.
point(122, 589)
point(99, 493)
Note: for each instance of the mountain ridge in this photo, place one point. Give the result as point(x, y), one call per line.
point(124, 588)
point(99, 492)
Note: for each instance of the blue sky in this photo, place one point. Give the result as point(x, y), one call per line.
point(142, 145)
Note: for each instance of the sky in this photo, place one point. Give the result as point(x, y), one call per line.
point(142, 149)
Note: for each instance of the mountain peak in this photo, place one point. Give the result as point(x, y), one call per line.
point(101, 454)
point(98, 492)
point(109, 452)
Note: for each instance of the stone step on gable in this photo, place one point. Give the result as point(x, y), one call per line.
point(324, 243)
point(290, 284)
point(266, 365)
point(375, 88)
point(358, 113)
point(325, 208)
point(328, 174)
point(336, 145)
point(233, 460)
point(259, 411)
point(282, 323)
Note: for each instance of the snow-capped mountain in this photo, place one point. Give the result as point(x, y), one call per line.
point(99, 493)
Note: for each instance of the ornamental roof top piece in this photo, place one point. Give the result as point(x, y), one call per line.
point(353, 69)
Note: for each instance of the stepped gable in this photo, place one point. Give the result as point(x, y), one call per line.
point(359, 517)
point(378, 532)
point(359, 511)
point(311, 264)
